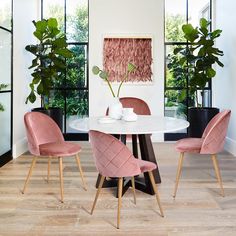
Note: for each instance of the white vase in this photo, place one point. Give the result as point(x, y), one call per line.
point(115, 109)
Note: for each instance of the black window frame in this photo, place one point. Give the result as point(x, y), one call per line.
point(6, 157)
point(176, 136)
point(64, 90)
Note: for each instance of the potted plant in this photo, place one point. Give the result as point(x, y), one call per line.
point(115, 108)
point(197, 60)
point(49, 64)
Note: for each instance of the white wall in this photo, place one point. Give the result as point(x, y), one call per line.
point(24, 12)
point(126, 18)
point(224, 85)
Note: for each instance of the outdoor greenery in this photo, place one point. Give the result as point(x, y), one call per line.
point(2, 86)
point(76, 71)
point(49, 63)
point(175, 76)
point(198, 57)
point(104, 75)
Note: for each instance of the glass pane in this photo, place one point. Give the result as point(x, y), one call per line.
point(76, 107)
point(54, 9)
point(197, 10)
point(5, 124)
point(57, 100)
point(175, 73)
point(5, 14)
point(5, 58)
point(174, 106)
point(77, 20)
point(76, 76)
point(175, 17)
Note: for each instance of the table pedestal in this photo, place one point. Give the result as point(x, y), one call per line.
point(147, 153)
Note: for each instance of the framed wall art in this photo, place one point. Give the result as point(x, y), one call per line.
point(119, 51)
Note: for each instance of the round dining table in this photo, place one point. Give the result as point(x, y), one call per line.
point(143, 127)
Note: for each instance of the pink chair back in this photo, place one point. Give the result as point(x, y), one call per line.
point(112, 157)
point(41, 129)
point(215, 133)
point(140, 107)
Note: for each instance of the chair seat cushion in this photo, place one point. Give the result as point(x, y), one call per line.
point(59, 149)
point(192, 145)
point(146, 165)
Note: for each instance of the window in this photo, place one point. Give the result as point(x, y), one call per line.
point(6, 81)
point(177, 13)
point(71, 92)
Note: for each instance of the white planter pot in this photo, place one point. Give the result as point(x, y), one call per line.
point(115, 109)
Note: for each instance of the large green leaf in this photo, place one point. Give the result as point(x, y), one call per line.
point(66, 53)
point(41, 25)
point(38, 34)
point(32, 48)
point(60, 42)
point(52, 23)
point(103, 75)
point(95, 70)
point(203, 23)
point(211, 72)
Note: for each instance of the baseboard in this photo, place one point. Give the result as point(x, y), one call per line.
point(19, 148)
point(156, 138)
point(230, 145)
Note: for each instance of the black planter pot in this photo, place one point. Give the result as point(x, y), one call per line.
point(55, 113)
point(199, 118)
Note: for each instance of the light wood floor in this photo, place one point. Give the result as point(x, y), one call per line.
point(198, 209)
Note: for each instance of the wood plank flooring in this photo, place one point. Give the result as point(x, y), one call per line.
point(197, 210)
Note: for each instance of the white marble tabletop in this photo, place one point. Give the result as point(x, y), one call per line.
point(148, 124)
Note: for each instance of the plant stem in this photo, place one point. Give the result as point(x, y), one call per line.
point(109, 84)
point(118, 92)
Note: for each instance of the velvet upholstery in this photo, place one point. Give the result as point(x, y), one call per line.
point(213, 138)
point(140, 106)
point(211, 142)
point(114, 159)
point(45, 137)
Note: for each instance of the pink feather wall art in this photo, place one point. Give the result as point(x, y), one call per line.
point(118, 52)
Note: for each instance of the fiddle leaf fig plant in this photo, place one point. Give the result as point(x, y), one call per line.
point(199, 56)
point(2, 86)
point(49, 63)
point(104, 75)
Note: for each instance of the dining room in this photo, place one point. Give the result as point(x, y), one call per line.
point(117, 117)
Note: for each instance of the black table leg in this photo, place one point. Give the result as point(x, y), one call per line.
point(147, 154)
point(134, 145)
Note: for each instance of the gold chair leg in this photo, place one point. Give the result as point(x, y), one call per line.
point(97, 194)
point(61, 178)
point(156, 191)
point(80, 170)
point(218, 175)
point(120, 188)
point(49, 165)
point(133, 187)
point(178, 173)
point(29, 173)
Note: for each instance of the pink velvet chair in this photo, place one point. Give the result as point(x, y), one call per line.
point(114, 159)
point(46, 140)
point(140, 107)
point(211, 142)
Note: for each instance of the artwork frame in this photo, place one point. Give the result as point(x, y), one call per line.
point(119, 50)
